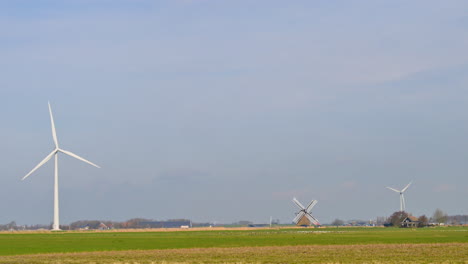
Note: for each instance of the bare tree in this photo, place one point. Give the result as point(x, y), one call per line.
point(397, 217)
point(423, 221)
point(439, 216)
point(337, 222)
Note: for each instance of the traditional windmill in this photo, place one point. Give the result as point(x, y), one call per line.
point(304, 217)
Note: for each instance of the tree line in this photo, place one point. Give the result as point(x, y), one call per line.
point(439, 217)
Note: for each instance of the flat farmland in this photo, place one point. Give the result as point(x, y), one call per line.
point(305, 245)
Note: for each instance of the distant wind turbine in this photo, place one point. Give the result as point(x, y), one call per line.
point(402, 197)
point(54, 153)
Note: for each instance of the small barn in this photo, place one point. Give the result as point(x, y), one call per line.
point(103, 226)
point(410, 221)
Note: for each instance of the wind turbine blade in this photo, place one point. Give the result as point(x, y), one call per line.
point(393, 189)
point(298, 217)
point(311, 205)
point(54, 133)
point(40, 164)
point(298, 203)
point(312, 219)
point(404, 189)
point(78, 157)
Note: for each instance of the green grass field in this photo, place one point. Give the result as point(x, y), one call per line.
point(338, 245)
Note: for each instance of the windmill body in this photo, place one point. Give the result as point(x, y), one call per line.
point(304, 216)
point(402, 196)
point(54, 153)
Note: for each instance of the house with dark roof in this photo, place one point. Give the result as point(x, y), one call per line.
point(410, 221)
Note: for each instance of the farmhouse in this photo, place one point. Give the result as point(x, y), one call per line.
point(410, 221)
point(103, 226)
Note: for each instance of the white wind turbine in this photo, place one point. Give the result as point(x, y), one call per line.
point(54, 153)
point(402, 197)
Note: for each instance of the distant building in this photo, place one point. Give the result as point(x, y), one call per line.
point(103, 226)
point(410, 221)
point(165, 224)
point(258, 225)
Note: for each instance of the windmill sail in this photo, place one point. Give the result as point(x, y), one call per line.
point(304, 216)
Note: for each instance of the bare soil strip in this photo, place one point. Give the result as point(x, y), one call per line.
point(376, 254)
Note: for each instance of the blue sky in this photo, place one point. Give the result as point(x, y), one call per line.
point(224, 110)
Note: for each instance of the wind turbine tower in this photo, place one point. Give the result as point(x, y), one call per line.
point(402, 197)
point(54, 153)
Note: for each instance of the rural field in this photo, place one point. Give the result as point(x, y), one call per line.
point(292, 245)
